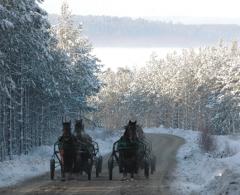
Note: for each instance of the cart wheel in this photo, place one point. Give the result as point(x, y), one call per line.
point(100, 164)
point(146, 169)
point(52, 168)
point(110, 168)
point(97, 168)
point(89, 175)
point(89, 171)
point(97, 172)
point(77, 164)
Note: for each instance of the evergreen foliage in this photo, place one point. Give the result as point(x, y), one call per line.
point(40, 79)
point(196, 89)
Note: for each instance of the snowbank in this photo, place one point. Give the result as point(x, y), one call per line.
point(198, 172)
point(25, 166)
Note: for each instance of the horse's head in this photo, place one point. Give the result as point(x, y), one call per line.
point(66, 128)
point(79, 127)
point(130, 130)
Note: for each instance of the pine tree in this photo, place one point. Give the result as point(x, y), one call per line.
point(83, 66)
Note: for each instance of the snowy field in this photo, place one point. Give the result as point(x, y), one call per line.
point(196, 173)
point(130, 57)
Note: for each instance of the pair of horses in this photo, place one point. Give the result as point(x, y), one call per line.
point(76, 150)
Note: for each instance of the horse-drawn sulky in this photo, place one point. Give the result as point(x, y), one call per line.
point(132, 152)
point(75, 153)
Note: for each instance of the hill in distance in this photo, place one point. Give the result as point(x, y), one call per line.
point(106, 31)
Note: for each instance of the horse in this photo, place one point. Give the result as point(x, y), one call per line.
point(132, 152)
point(66, 144)
point(79, 127)
point(128, 150)
point(84, 148)
point(80, 132)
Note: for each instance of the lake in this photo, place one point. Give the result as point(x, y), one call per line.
point(114, 57)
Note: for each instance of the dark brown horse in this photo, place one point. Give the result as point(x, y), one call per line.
point(79, 127)
point(128, 153)
point(67, 148)
point(84, 149)
point(80, 132)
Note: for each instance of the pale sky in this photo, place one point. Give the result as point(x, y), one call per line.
point(148, 8)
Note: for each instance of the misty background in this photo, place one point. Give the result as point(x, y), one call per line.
point(108, 31)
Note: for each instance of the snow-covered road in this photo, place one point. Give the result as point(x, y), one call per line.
point(165, 149)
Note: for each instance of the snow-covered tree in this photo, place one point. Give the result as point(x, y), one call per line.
point(84, 67)
point(196, 89)
point(39, 80)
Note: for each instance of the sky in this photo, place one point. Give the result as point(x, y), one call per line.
point(150, 8)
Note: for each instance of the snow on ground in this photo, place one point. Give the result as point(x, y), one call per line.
point(25, 166)
point(197, 172)
point(204, 173)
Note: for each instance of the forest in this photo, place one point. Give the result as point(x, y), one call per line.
point(197, 89)
point(45, 73)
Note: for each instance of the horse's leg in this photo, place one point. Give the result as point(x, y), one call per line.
point(132, 169)
point(62, 173)
point(72, 166)
point(132, 174)
point(62, 165)
point(124, 174)
point(68, 164)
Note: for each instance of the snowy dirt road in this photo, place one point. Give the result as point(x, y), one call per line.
point(165, 148)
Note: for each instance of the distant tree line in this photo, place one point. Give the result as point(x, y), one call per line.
point(115, 31)
point(45, 73)
point(196, 89)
